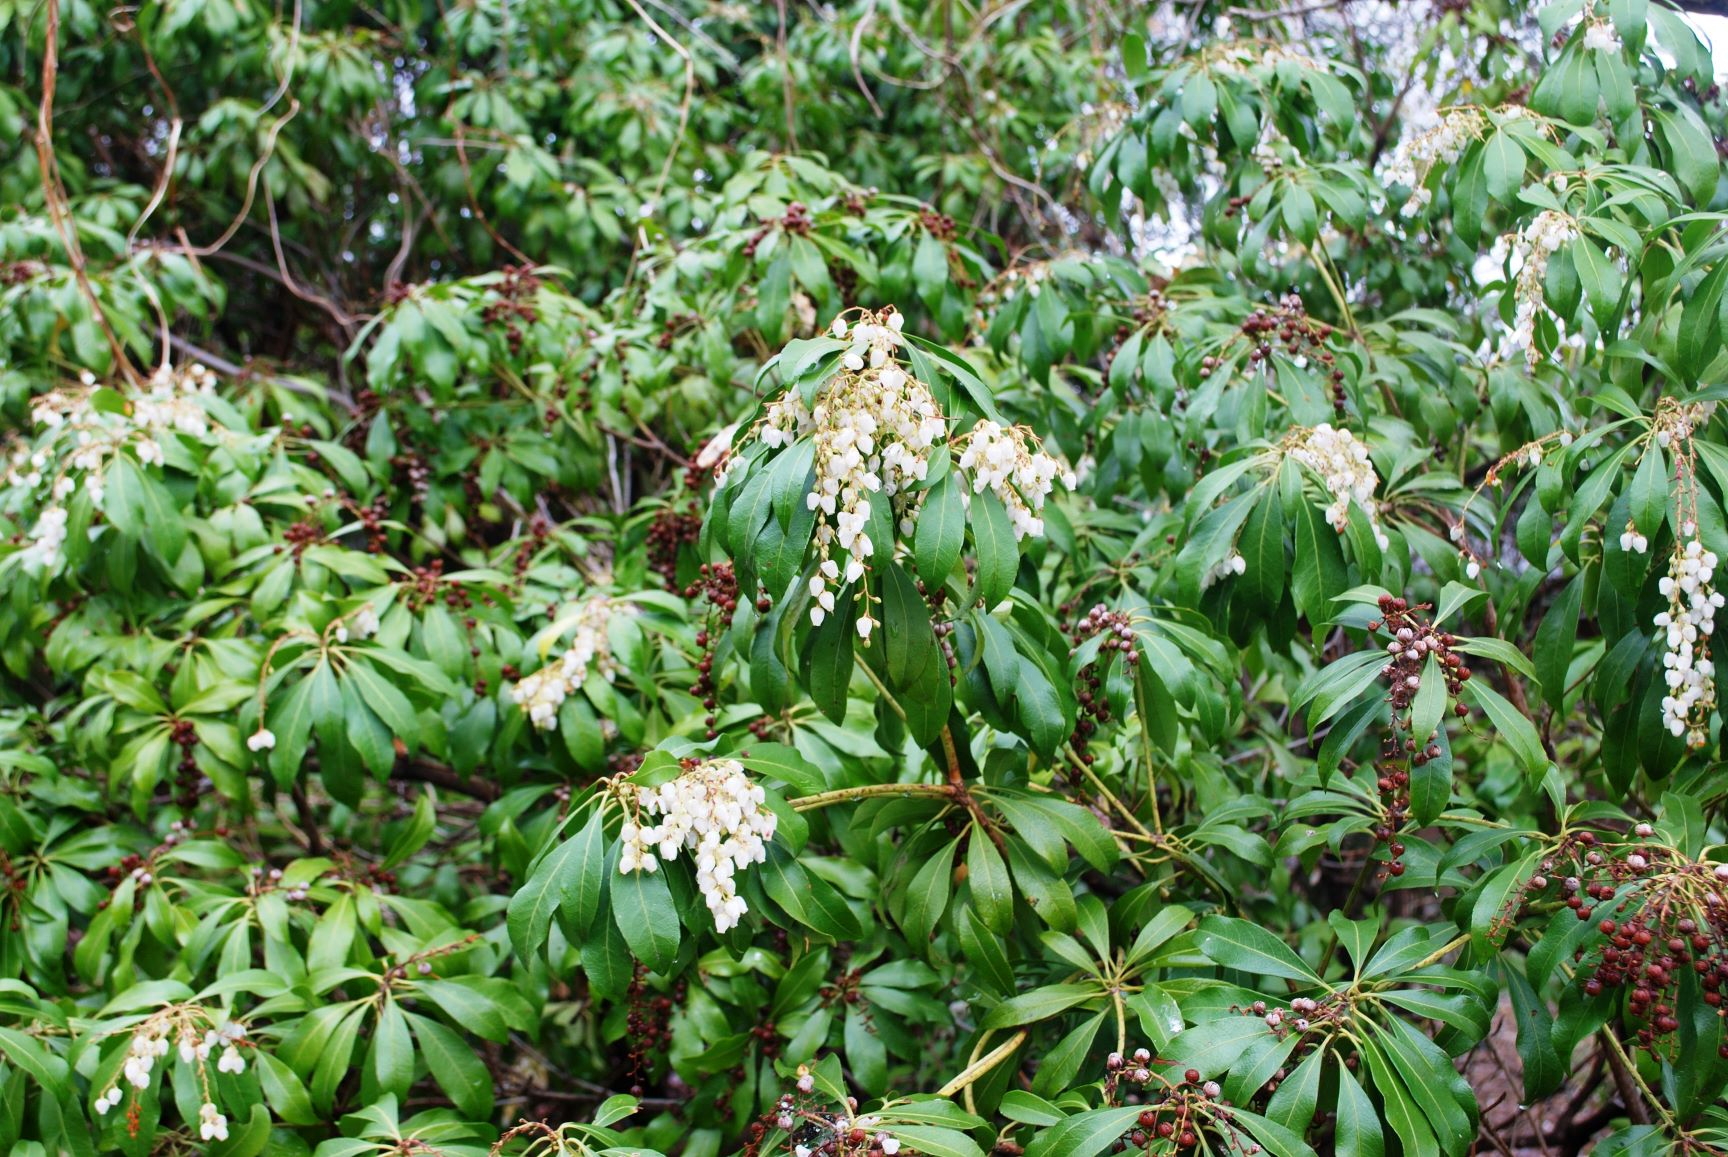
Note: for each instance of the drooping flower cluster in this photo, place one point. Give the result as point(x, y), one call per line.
point(362, 624)
point(1684, 629)
point(212, 1125)
point(1230, 565)
point(1534, 245)
point(873, 428)
point(1419, 155)
point(543, 692)
point(1599, 36)
point(196, 1033)
point(1006, 461)
point(81, 433)
point(1344, 468)
point(716, 813)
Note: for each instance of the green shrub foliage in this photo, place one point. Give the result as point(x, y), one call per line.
point(606, 577)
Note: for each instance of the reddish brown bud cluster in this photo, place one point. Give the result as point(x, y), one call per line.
point(1660, 915)
point(188, 783)
point(648, 1022)
point(1117, 637)
point(1288, 327)
point(1413, 641)
point(719, 585)
point(509, 307)
point(668, 534)
point(539, 530)
point(1178, 1112)
point(795, 220)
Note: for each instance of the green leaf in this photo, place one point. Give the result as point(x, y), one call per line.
point(1262, 548)
point(1039, 1004)
point(415, 833)
point(1690, 151)
point(1503, 167)
point(1650, 491)
point(1429, 706)
point(1214, 1045)
point(1556, 640)
point(390, 1060)
point(1085, 1134)
point(998, 553)
point(1512, 726)
point(1250, 948)
point(992, 891)
point(927, 896)
point(941, 531)
point(580, 877)
point(529, 916)
point(456, 1067)
point(786, 764)
point(1360, 1132)
point(643, 911)
point(142, 508)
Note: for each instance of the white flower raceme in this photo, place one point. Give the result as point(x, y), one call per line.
point(198, 1032)
point(714, 812)
point(1417, 156)
point(1599, 36)
point(47, 538)
point(543, 692)
point(1233, 564)
point(212, 1126)
point(1003, 460)
point(873, 427)
point(146, 1046)
point(1344, 468)
point(1534, 245)
point(1684, 629)
point(362, 624)
point(1632, 542)
point(80, 436)
point(1269, 150)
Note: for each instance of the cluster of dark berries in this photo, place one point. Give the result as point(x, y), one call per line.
point(533, 542)
point(1299, 336)
point(795, 220)
point(371, 518)
point(509, 308)
point(419, 475)
point(1413, 641)
point(938, 225)
point(139, 868)
point(669, 532)
point(937, 598)
point(648, 1023)
point(301, 535)
point(1116, 637)
point(669, 331)
point(1177, 1111)
point(1663, 914)
point(19, 272)
point(13, 881)
point(187, 780)
point(719, 586)
point(427, 586)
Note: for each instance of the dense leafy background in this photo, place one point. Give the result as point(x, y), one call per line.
point(361, 360)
